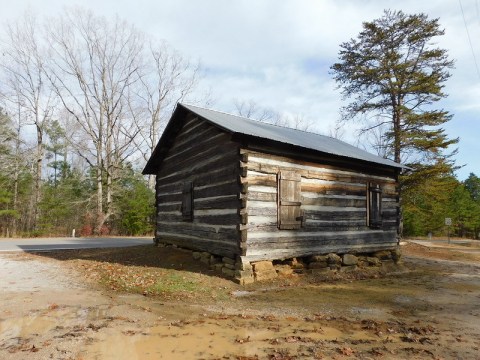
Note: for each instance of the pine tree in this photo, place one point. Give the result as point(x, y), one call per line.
point(395, 75)
point(472, 184)
point(7, 210)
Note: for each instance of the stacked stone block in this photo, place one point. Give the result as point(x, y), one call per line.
point(247, 273)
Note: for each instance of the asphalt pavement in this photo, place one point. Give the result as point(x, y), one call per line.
point(50, 244)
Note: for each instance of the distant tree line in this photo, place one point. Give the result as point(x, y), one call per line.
point(427, 202)
point(83, 101)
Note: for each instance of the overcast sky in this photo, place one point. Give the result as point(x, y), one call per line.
point(278, 52)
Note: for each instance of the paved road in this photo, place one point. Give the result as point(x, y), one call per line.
point(47, 244)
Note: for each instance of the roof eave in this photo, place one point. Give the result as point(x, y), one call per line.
point(258, 139)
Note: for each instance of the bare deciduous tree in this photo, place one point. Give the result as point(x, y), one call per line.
point(101, 74)
point(250, 109)
point(27, 89)
point(167, 78)
point(93, 64)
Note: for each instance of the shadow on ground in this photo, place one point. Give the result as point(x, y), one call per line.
point(140, 256)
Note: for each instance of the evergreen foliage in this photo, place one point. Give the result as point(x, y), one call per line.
point(64, 203)
point(472, 185)
point(16, 181)
point(394, 74)
point(428, 202)
point(136, 205)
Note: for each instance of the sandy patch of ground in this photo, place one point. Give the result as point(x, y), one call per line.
point(48, 312)
point(73, 305)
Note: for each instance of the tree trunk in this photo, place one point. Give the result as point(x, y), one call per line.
point(99, 219)
point(397, 145)
point(109, 171)
point(16, 174)
point(15, 199)
point(38, 176)
point(153, 136)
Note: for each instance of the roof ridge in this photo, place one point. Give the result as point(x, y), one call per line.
point(263, 122)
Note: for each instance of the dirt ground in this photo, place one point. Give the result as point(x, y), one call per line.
point(157, 303)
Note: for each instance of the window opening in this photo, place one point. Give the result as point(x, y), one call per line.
point(187, 201)
point(374, 206)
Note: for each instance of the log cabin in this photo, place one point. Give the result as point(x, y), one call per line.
point(246, 191)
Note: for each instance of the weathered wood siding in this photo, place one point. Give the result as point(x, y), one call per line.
point(333, 202)
point(207, 157)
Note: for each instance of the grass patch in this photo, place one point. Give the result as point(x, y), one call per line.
point(160, 272)
point(173, 283)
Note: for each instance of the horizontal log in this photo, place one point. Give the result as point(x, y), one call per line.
point(221, 248)
point(205, 166)
point(168, 207)
point(197, 155)
point(312, 158)
point(261, 211)
point(199, 137)
point(203, 204)
point(223, 202)
point(227, 219)
point(323, 184)
point(258, 179)
point(191, 123)
point(220, 173)
point(204, 217)
point(261, 196)
point(192, 128)
point(334, 201)
point(198, 145)
point(206, 191)
point(273, 164)
point(335, 189)
point(217, 189)
point(252, 255)
point(316, 243)
point(200, 230)
point(175, 197)
point(294, 238)
point(321, 213)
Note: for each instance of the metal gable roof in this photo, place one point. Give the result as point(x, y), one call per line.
point(307, 140)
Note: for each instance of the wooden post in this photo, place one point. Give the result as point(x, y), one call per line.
point(448, 223)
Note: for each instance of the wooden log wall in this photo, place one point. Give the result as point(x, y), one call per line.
point(206, 156)
point(334, 202)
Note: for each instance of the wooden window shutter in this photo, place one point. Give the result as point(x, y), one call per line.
point(374, 206)
point(290, 214)
point(187, 201)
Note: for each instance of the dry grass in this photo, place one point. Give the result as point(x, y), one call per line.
point(161, 272)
